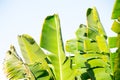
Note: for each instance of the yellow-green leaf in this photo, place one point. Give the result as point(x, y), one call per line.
point(15, 68)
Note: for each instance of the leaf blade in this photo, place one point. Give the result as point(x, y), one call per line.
point(51, 40)
point(15, 68)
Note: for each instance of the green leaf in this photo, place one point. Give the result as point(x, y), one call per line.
point(90, 46)
point(74, 45)
point(102, 44)
point(112, 60)
point(112, 41)
point(77, 44)
point(62, 71)
point(97, 62)
point(31, 52)
point(99, 74)
point(98, 67)
point(80, 61)
point(116, 26)
point(71, 45)
point(116, 65)
point(81, 32)
point(116, 10)
point(39, 72)
point(51, 37)
point(15, 68)
point(51, 40)
point(94, 25)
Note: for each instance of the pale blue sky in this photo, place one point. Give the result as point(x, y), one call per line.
point(27, 16)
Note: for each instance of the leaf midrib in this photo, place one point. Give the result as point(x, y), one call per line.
point(59, 55)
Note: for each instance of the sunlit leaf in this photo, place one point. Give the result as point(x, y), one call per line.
point(80, 60)
point(116, 10)
point(74, 45)
point(102, 44)
point(112, 60)
point(116, 63)
point(90, 46)
point(112, 41)
point(71, 45)
point(51, 40)
point(39, 72)
point(94, 25)
point(15, 68)
point(99, 74)
point(31, 52)
point(116, 26)
point(81, 32)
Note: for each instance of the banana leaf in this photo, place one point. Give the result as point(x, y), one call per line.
point(116, 58)
point(77, 44)
point(51, 40)
point(116, 26)
point(102, 44)
point(90, 46)
point(94, 25)
point(81, 32)
point(116, 10)
point(39, 72)
point(31, 52)
point(98, 67)
point(112, 61)
point(99, 74)
point(116, 65)
point(74, 45)
point(15, 68)
point(94, 58)
point(71, 45)
point(112, 42)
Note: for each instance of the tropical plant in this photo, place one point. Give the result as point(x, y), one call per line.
point(90, 49)
point(89, 56)
point(114, 42)
point(38, 65)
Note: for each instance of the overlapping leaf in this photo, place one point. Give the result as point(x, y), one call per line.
point(39, 72)
point(15, 68)
point(51, 40)
point(116, 10)
point(31, 52)
point(114, 42)
point(90, 49)
point(94, 25)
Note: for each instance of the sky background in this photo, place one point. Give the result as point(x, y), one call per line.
point(27, 16)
